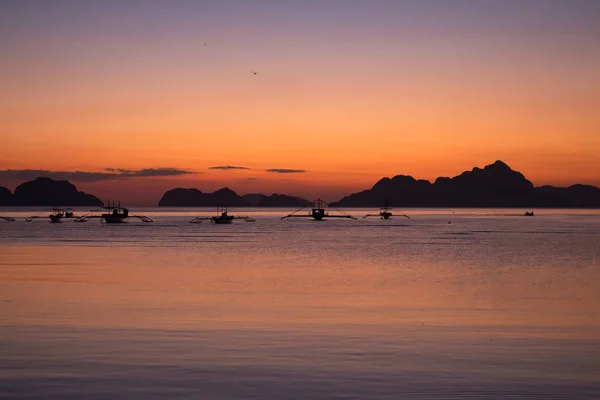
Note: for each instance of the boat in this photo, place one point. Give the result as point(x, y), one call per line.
point(116, 214)
point(55, 216)
point(318, 212)
point(528, 214)
point(10, 219)
point(222, 217)
point(385, 213)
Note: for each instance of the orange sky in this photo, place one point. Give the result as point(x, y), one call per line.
point(348, 96)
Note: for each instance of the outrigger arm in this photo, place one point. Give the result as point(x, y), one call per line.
point(198, 220)
point(142, 217)
point(246, 219)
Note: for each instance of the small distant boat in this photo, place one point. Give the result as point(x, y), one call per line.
point(528, 214)
point(318, 212)
point(222, 217)
point(11, 219)
point(55, 216)
point(385, 213)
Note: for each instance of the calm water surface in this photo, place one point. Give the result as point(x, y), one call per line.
point(493, 305)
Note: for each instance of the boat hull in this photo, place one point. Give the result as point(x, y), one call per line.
point(113, 219)
point(222, 220)
point(318, 214)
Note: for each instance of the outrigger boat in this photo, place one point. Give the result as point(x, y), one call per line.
point(56, 215)
point(11, 219)
point(385, 213)
point(222, 217)
point(115, 215)
point(318, 212)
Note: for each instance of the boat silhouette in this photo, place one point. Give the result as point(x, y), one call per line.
point(222, 217)
point(385, 212)
point(115, 215)
point(55, 216)
point(318, 212)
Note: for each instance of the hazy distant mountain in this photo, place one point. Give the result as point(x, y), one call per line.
point(573, 196)
point(48, 192)
point(275, 200)
point(254, 199)
point(496, 185)
point(195, 198)
point(5, 196)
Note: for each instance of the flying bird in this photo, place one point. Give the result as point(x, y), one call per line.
point(255, 73)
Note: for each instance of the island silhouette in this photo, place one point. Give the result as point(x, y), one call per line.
point(195, 198)
point(494, 186)
point(47, 192)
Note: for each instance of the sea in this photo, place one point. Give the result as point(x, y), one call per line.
point(446, 304)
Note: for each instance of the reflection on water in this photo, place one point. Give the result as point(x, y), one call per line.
point(490, 306)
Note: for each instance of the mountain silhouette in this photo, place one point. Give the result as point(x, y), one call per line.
point(5, 196)
point(496, 185)
point(275, 200)
point(48, 192)
point(579, 196)
point(195, 198)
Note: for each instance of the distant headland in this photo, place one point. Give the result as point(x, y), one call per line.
point(496, 185)
point(47, 192)
point(493, 186)
point(195, 198)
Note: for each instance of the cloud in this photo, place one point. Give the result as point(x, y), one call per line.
point(285, 171)
point(227, 167)
point(86, 176)
point(152, 172)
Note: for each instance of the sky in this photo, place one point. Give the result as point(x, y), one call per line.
point(139, 97)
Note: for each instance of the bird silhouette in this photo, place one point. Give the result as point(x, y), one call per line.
point(255, 73)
